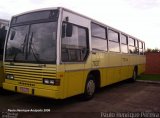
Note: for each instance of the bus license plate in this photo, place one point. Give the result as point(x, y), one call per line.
point(24, 90)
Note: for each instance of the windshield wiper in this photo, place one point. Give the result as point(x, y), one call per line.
point(31, 49)
point(30, 43)
point(24, 43)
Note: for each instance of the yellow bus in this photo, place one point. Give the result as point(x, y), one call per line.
point(3, 31)
point(58, 53)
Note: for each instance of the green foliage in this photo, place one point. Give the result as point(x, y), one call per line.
point(152, 77)
point(153, 50)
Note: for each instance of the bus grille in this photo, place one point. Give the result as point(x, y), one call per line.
point(30, 73)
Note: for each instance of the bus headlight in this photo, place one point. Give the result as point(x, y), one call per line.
point(46, 81)
point(10, 76)
point(51, 81)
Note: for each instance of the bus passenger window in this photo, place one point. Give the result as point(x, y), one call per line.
point(124, 47)
point(99, 41)
point(140, 48)
point(137, 47)
point(144, 51)
point(113, 41)
point(131, 43)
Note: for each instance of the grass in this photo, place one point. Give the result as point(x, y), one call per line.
point(150, 77)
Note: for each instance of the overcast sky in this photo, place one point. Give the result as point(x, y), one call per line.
point(140, 18)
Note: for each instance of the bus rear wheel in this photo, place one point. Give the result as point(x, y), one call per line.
point(90, 88)
point(134, 76)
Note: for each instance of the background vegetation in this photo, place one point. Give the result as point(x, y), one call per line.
point(153, 50)
point(151, 77)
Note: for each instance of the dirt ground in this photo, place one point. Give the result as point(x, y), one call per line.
point(118, 100)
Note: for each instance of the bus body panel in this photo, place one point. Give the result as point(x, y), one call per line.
point(43, 92)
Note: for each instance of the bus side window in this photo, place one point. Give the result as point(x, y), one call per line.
point(137, 47)
point(144, 50)
point(131, 43)
point(75, 46)
point(124, 44)
point(113, 39)
point(140, 48)
point(99, 39)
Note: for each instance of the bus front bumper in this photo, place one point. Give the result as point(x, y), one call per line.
point(55, 94)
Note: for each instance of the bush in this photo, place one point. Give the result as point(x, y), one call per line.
point(153, 50)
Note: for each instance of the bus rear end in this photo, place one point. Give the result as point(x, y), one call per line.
point(31, 54)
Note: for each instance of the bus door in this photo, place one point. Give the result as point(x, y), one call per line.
point(74, 49)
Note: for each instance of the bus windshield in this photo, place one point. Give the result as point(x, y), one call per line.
point(32, 42)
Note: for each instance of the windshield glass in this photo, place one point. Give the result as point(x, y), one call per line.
point(32, 43)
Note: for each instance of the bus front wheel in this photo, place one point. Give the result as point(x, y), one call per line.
point(90, 88)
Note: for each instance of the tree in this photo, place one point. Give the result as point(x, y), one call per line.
point(153, 50)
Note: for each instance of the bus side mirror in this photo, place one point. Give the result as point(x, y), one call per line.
point(12, 35)
point(67, 29)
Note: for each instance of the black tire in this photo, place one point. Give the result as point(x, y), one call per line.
point(134, 76)
point(90, 88)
